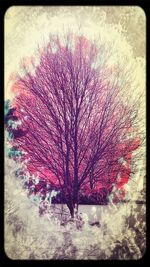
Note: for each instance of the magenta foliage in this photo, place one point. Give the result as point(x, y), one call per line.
point(75, 123)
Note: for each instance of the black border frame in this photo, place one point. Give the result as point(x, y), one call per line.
point(4, 5)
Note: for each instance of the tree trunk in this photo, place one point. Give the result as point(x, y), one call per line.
point(73, 205)
point(71, 208)
point(71, 199)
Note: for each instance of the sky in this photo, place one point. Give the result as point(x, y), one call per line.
point(28, 26)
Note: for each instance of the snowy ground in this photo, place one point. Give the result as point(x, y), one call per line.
point(120, 233)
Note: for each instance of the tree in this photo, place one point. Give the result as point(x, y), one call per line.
point(78, 122)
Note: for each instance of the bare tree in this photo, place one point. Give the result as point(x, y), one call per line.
point(78, 120)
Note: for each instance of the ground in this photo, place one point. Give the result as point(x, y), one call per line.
point(106, 232)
